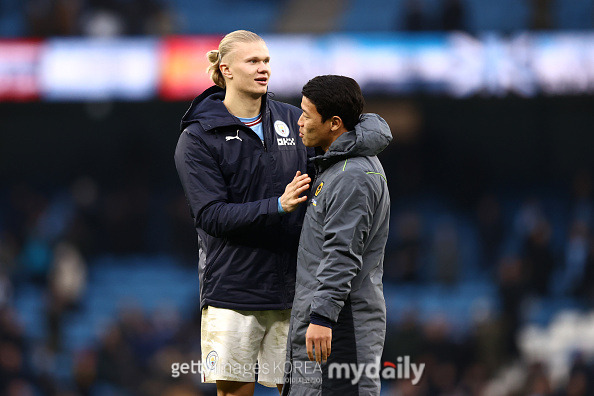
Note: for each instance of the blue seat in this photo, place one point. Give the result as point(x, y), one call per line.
point(372, 16)
point(502, 15)
point(204, 16)
point(573, 15)
point(12, 18)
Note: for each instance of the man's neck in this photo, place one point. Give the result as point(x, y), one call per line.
point(244, 106)
point(336, 136)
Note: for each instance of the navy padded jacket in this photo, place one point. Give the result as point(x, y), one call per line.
point(232, 181)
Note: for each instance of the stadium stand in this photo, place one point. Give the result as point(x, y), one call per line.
point(574, 15)
point(206, 16)
point(12, 19)
point(294, 16)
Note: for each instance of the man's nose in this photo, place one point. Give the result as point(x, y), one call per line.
point(264, 68)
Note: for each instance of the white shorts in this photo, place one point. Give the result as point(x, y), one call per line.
point(234, 341)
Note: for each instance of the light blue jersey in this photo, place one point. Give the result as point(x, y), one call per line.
point(255, 123)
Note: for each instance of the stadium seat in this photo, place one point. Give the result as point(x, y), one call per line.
point(12, 18)
point(204, 16)
point(573, 15)
point(503, 15)
point(373, 16)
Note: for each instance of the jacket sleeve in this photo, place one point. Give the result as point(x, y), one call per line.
point(347, 223)
point(206, 192)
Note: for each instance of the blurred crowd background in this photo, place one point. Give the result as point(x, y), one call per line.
point(489, 268)
point(157, 17)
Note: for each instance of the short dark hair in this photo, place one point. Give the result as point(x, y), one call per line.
point(336, 96)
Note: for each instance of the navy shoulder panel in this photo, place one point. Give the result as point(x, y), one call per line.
point(194, 129)
point(283, 109)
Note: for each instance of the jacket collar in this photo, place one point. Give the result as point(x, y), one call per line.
point(370, 137)
point(210, 112)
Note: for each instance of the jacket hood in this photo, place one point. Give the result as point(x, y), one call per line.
point(208, 110)
point(370, 137)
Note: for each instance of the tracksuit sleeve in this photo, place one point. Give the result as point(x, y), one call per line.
point(346, 227)
point(206, 192)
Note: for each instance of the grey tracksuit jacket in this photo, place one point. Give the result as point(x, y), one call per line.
point(340, 263)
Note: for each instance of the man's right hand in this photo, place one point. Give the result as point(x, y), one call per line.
point(291, 199)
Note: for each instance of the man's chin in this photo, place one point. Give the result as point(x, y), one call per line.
point(256, 94)
point(306, 143)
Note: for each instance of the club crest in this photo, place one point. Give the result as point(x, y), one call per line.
point(211, 360)
point(319, 189)
point(281, 129)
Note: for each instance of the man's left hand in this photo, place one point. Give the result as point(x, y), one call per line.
point(320, 339)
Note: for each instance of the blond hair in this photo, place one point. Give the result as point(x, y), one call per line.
point(226, 46)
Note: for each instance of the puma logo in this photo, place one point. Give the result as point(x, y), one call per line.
point(227, 138)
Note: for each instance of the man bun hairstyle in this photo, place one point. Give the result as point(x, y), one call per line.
point(226, 46)
point(214, 59)
point(336, 96)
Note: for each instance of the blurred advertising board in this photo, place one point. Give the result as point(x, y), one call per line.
point(563, 64)
point(174, 68)
point(99, 69)
point(183, 66)
point(381, 63)
point(458, 64)
point(19, 62)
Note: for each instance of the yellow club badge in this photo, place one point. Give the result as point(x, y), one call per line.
point(319, 189)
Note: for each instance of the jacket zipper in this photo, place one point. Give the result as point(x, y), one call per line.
point(315, 180)
point(249, 130)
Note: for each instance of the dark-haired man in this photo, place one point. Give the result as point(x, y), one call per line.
point(339, 316)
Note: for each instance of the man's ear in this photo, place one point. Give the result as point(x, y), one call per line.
point(224, 68)
point(336, 123)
